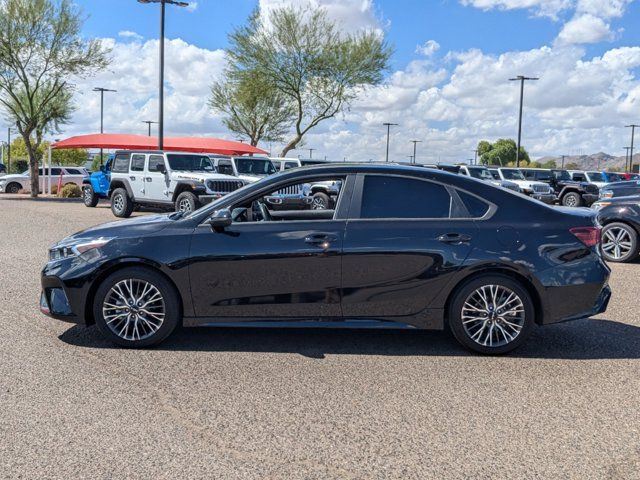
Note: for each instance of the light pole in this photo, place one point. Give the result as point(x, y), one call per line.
point(521, 79)
point(475, 156)
point(626, 156)
point(9, 130)
point(102, 90)
point(388, 125)
point(311, 150)
point(149, 123)
point(562, 161)
point(633, 133)
point(415, 142)
point(161, 80)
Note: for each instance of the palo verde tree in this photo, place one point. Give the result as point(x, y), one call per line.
point(252, 107)
point(502, 152)
point(41, 49)
point(303, 54)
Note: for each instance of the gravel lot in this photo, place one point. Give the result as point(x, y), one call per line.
point(248, 403)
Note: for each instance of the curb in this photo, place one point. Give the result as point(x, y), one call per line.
point(27, 198)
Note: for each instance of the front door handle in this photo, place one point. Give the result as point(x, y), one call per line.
point(148, 179)
point(132, 178)
point(454, 238)
point(320, 240)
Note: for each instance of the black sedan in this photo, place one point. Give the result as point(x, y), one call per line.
point(404, 246)
point(620, 217)
point(620, 189)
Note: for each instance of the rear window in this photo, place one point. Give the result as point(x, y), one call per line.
point(120, 164)
point(399, 197)
point(137, 163)
point(476, 207)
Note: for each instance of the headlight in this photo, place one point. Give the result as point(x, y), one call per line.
point(81, 248)
point(606, 194)
point(599, 205)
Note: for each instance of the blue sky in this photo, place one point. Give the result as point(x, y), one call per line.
point(450, 94)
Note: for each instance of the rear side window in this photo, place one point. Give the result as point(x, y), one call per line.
point(476, 207)
point(56, 172)
point(120, 164)
point(225, 167)
point(398, 197)
point(137, 163)
point(543, 176)
point(73, 171)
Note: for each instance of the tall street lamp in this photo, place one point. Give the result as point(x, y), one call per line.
point(633, 133)
point(388, 125)
point(626, 156)
point(9, 130)
point(415, 142)
point(311, 150)
point(521, 79)
point(102, 90)
point(149, 123)
point(161, 81)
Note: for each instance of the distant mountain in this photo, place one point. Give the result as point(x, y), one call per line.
point(595, 161)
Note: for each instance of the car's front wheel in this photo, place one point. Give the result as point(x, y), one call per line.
point(187, 202)
point(491, 314)
point(121, 205)
point(320, 201)
point(90, 197)
point(619, 242)
point(13, 188)
point(572, 199)
point(136, 307)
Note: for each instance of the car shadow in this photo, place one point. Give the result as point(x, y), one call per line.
point(579, 340)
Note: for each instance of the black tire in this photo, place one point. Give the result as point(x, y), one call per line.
point(169, 297)
point(627, 247)
point(321, 201)
point(121, 205)
point(89, 197)
point(464, 334)
point(572, 199)
point(187, 202)
point(13, 188)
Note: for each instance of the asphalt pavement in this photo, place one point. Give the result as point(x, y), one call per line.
point(304, 404)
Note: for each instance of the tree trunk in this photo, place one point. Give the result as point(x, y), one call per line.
point(33, 166)
point(291, 145)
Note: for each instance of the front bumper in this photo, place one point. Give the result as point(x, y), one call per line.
point(548, 198)
point(55, 301)
point(589, 198)
point(289, 202)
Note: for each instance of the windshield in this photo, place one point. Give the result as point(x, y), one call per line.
point(562, 175)
point(512, 174)
point(190, 163)
point(481, 173)
point(596, 177)
point(254, 166)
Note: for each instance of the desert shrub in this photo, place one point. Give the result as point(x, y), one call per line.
point(71, 191)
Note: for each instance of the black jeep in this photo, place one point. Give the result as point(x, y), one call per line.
point(569, 192)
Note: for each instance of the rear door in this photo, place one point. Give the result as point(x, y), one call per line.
point(402, 245)
point(136, 175)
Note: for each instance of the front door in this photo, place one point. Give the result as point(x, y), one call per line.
point(156, 182)
point(401, 247)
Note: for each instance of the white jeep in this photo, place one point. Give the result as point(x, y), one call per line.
point(247, 169)
point(176, 180)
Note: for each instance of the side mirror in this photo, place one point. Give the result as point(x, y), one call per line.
point(220, 219)
point(161, 168)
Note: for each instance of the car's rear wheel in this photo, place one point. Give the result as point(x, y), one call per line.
point(13, 188)
point(136, 307)
point(572, 199)
point(187, 202)
point(619, 242)
point(491, 314)
point(320, 201)
point(90, 197)
point(121, 204)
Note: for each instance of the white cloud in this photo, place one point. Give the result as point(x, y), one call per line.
point(546, 8)
point(585, 28)
point(130, 34)
point(428, 48)
point(192, 6)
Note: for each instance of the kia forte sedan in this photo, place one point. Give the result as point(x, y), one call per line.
point(402, 246)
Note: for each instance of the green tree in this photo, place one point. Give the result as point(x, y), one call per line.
point(73, 156)
point(310, 61)
point(252, 107)
point(41, 48)
point(502, 152)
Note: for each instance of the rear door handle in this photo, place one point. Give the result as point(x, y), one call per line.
point(454, 238)
point(320, 239)
point(132, 178)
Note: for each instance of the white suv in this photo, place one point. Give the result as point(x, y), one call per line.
point(248, 169)
point(538, 190)
point(177, 180)
point(22, 182)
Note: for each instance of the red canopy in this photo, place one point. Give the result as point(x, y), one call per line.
point(142, 142)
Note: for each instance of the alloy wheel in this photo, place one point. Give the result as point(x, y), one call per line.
point(493, 315)
point(133, 309)
point(184, 205)
point(118, 202)
point(616, 242)
point(318, 204)
point(570, 201)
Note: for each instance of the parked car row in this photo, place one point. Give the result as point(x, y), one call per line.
point(15, 183)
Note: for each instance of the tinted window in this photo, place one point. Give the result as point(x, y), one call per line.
point(154, 161)
point(120, 164)
point(580, 177)
point(397, 197)
point(289, 165)
point(225, 167)
point(251, 166)
point(476, 207)
point(137, 163)
point(542, 176)
point(74, 171)
point(190, 163)
point(512, 174)
point(56, 172)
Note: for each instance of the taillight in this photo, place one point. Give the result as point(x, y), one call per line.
point(590, 236)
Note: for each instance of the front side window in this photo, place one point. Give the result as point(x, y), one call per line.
point(542, 176)
point(512, 174)
point(596, 177)
point(481, 173)
point(290, 165)
point(156, 163)
point(400, 197)
point(254, 166)
point(225, 167)
point(579, 177)
point(137, 163)
point(561, 175)
point(121, 164)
